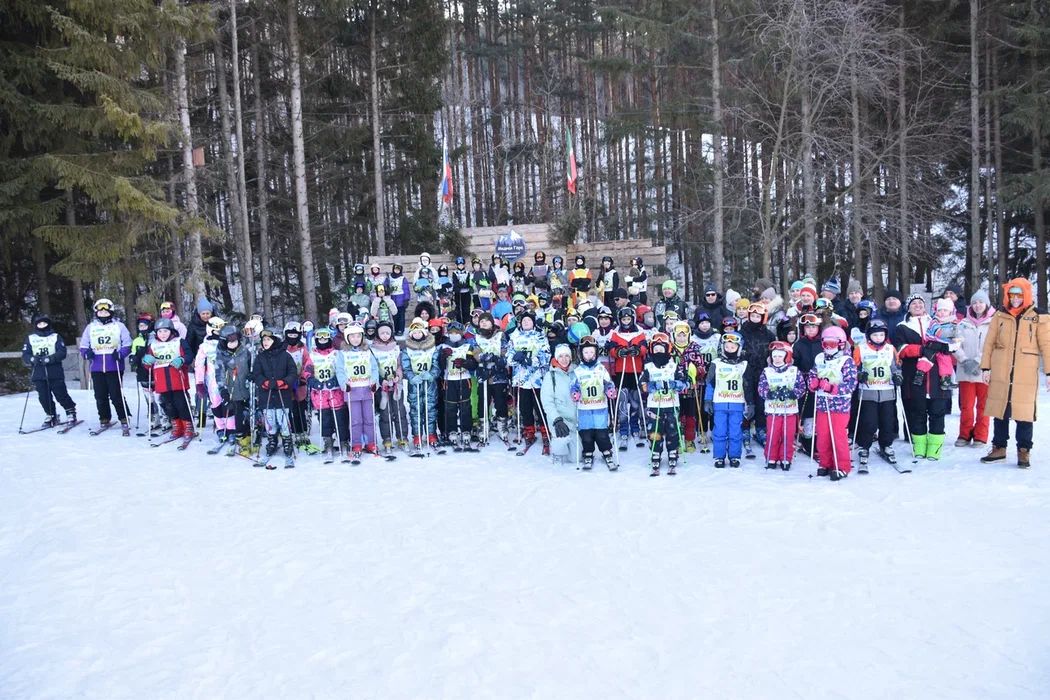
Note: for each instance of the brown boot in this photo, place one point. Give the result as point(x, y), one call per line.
point(1022, 458)
point(998, 454)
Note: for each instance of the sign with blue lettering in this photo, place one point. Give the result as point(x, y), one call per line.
point(510, 247)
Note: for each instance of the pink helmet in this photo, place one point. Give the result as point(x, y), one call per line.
point(834, 333)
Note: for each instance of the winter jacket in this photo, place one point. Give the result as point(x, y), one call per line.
point(756, 347)
point(780, 406)
point(106, 344)
point(196, 333)
point(362, 369)
point(304, 366)
point(204, 358)
point(637, 282)
point(621, 340)
point(383, 309)
point(1012, 350)
point(528, 355)
point(399, 290)
point(972, 331)
point(138, 350)
point(840, 370)
point(537, 277)
point(805, 351)
point(912, 344)
point(674, 303)
point(328, 379)
point(44, 353)
point(274, 374)
point(712, 387)
point(556, 395)
point(892, 319)
point(230, 371)
point(166, 354)
point(881, 365)
point(491, 353)
point(419, 361)
point(716, 311)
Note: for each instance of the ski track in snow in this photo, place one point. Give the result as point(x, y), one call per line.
point(129, 572)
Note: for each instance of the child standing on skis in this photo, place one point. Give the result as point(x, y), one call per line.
point(592, 391)
point(832, 382)
point(530, 357)
point(878, 376)
point(274, 374)
point(362, 378)
point(227, 385)
point(780, 386)
point(419, 364)
point(662, 380)
point(689, 356)
point(326, 393)
point(491, 345)
point(389, 405)
point(627, 350)
point(293, 342)
point(44, 352)
point(166, 356)
point(143, 374)
point(457, 363)
point(725, 400)
point(105, 343)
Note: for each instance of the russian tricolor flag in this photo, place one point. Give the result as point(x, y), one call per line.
point(445, 186)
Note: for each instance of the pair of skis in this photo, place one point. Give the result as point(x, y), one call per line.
point(65, 428)
point(125, 429)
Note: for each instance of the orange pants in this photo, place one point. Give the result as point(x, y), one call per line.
point(973, 423)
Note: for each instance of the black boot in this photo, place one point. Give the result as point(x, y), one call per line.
point(289, 459)
point(271, 450)
point(822, 471)
point(672, 462)
point(655, 463)
point(610, 463)
point(588, 461)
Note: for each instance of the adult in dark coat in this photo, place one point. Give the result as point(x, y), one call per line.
point(892, 312)
point(198, 329)
point(714, 305)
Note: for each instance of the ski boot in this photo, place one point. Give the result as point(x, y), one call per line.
point(734, 463)
point(760, 436)
point(546, 442)
point(720, 464)
point(328, 451)
point(836, 474)
point(823, 471)
point(271, 450)
point(672, 462)
point(71, 416)
point(125, 429)
point(887, 454)
point(689, 446)
point(238, 445)
point(655, 464)
point(388, 446)
point(50, 422)
point(587, 462)
point(402, 445)
point(771, 465)
point(289, 452)
point(862, 460)
point(785, 466)
point(610, 463)
point(621, 442)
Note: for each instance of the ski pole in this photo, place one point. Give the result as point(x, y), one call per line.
point(831, 434)
point(616, 406)
point(485, 412)
point(24, 407)
point(138, 405)
point(517, 411)
point(426, 415)
point(149, 406)
point(120, 390)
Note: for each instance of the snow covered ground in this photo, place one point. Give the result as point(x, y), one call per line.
point(129, 572)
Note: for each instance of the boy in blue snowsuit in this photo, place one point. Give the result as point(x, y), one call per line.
point(591, 392)
point(727, 389)
point(419, 364)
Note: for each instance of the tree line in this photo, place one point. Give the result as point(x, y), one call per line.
point(254, 151)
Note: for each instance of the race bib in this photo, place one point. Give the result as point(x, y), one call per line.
point(878, 364)
point(165, 351)
point(781, 380)
point(43, 346)
point(104, 338)
point(324, 367)
point(592, 387)
point(729, 383)
point(358, 368)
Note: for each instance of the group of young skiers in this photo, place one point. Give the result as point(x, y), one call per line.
point(569, 359)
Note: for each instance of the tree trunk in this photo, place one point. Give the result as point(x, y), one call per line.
point(377, 155)
point(260, 182)
point(182, 97)
point(248, 272)
point(306, 276)
point(244, 260)
point(990, 200)
point(974, 277)
point(809, 225)
point(1000, 211)
point(43, 295)
point(902, 137)
point(855, 180)
point(718, 252)
point(1038, 205)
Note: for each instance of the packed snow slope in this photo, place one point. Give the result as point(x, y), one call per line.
point(130, 572)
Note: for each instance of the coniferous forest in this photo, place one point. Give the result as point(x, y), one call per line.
point(255, 150)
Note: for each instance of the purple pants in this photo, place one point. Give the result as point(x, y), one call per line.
point(362, 416)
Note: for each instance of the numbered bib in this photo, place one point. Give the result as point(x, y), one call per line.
point(592, 387)
point(104, 338)
point(709, 348)
point(662, 398)
point(829, 368)
point(324, 367)
point(781, 380)
point(878, 363)
point(491, 345)
point(387, 360)
point(452, 373)
point(729, 382)
point(165, 351)
point(43, 346)
point(358, 368)
point(420, 360)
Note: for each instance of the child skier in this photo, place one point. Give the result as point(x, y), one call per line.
point(537, 276)
point(637, 281)
point(491, 346)
point(293, 343)
point(725, 400)
point(228, 389)
point(558, 276)
point(804, 352)
point(158, 421)
point(689, 356)
point(878, 376)
point(420, 366)
point(627, 346)
point(274, 373)
point(592, 391)
point(389, 406)
point(106, 342)
point(362, 378)
point(166, 356)
point(780, 386)
point(44, 352)
point(462, 290)
point(401, 292)
point(608, 280)
point(457, 363)
point(530, 357)
point(832, 381)
point(662, 380)
point(326, 393)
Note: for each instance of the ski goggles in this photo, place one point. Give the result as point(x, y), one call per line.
point(810, 320)
point(732, 337)
point(267, 333)
point(821, 304)
point(167, 306)
point(103, 306)
point(323, 334)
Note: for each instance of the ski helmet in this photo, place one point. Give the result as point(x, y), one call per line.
point(877, 325)
point(164, 324)
point(781, 346)
point(215, 324)
point(730, 337)
point(833, 337)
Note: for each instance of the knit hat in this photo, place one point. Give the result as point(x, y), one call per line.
point(670, 284)
point(205, 305)
point(620, 293)
point(710, 287)
point(946, 304)
point(796, 286)
point(832, 285)
point(895, 293)
point(912, 298)
point(808, 286)
point(980, 295)
point(854, 286)
point(763, 283)
point(743, 304)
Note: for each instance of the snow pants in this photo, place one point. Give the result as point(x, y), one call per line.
point(229, 416)
point(108, 391)
point(629, 404)
point(781, 429)
point(391, 411)
point(973, 423)
point(831, 429)
point(458, 417)
point(728, 438)
point(335, 422)
point(530, 409)
point(275, 421)
point(663, 424)
point(362, 417)
point(422, 409)
point(299, 415)
point(595, 436)
point(687, 412)
point(877, 417)
point(497, 396)
point(925, 415)
point(46, 388)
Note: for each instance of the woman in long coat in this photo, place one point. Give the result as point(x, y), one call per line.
point(1019, 334)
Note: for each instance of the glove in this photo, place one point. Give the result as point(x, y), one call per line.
point(749, 411)
point(924, 365)
point(814, 384)
point(458, 363)
point(862, 377)
point(89, 354)
point(611, 392)
point(709, 406)
point(281, 385)
point(576, 396)
point(148, 359)
point(521, 357)
point(177, 362)
point(971, 366)
point(560, 428)
point(898, 378)
point(416, 380)
point(825, 386)
point(224, 394)
point(265, 384)
point(446, 351)
point(200, 390)
point(832, 388)
point(313, 383)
